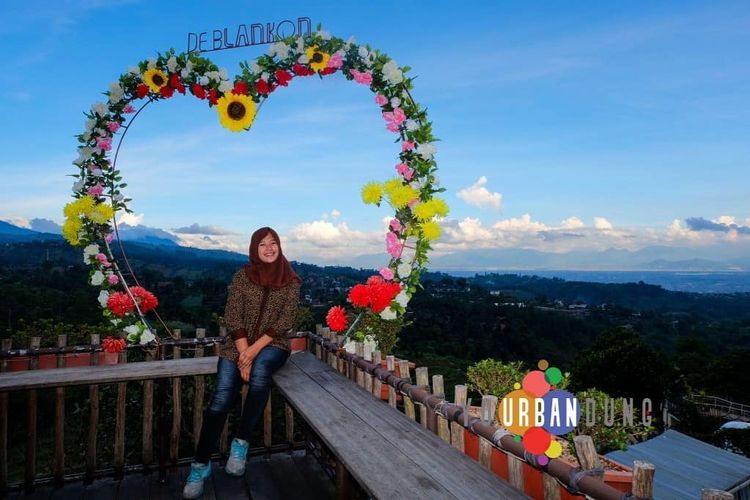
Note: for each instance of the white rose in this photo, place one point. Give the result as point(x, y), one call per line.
point(402, 298)
point(303, 59)
point(225, 86)
point(395, 102)
point(184, 73)
point(223, 74)
point(189, 66)
point(279, 49)
point(264, 76)
point(97, 278)
point(363, 52)
point(90, 251)
point(300, 48)
point(255, 67)
point(147, 336)
point(133, 70)
point(151, 64)
point(212, 75)
point(100, 108)
point(203, 80)
point(172, 64)
point(103, 297)
point(97, 172)
point(324, 35)
point(78, 185)
point(403, 270)
point(411, 125)
point(132, 329)
point(388, 314)
point(426, 151)
point(84, 155)
point(115, 92)
point(90, 124)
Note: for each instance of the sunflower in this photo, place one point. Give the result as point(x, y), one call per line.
point(155, 79)
point(236, 111)
point(318, 59)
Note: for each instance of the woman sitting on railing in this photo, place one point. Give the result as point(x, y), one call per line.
point(261, 308)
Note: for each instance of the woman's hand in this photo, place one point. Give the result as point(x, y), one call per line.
point(245, 373)
point(246, 358)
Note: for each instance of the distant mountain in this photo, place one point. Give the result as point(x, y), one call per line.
point(7, 228)
point(11, 233)
point(145, 234)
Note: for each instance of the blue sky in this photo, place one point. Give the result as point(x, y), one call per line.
point(563, 126)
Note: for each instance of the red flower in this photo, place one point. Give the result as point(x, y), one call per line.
point(381, 293)
point(374, 280)
point(212, 97)
point(359, 296)
point(336, 319)
point(120, 304)
point(302, 70)
point(146, 300)
point(174, 81)
point(166, 91)
point(282, 77)
point(141, 90)
point(240, 87)
point(262, 87)
point(327, 71)
point(198, 91)
point(110, 344)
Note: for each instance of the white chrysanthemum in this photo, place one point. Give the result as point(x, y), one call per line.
point(426, 151)
point(303, 59)
point(97, 172)
point(411, 125)
point(103, 298)
point(97, 278)
point(115, 92)
point(363, 52)
point(203, 80)
point(100, 108)
point(172, 64)
point(134, 70)
point(324, 35)
point(84, 155)
point(395, 101)
point(147, 336)
point(78, 185)
point(90, 251)
point(402, 298)
point(151, 63)
point(403, 270)
point(225, 86)
point(89, 124)
point(213, 75)
point(184, 73)
point(278, 49)
point(223, 74)
point(388, 314)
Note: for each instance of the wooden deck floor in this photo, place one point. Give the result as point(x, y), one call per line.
point(282, 476)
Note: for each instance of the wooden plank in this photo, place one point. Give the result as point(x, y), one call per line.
point(147, 440)
point(31, 421)
point(643, 479)
point(375, 464)
point(489, 407)
point(290, 481)
point(110, 374)
point(446, 466)
point(174, 434)
point(7, 345)
point(403, 368)
point(423, 380)
point(457, 430)
point(93, 418)
point(200, 392)
point(319, 485)
point(443, 428)
point(551, 487)
point(515, 471)
point(58, 467)
point(259, 480)
point(377, 385)
point(390, 365)
point(119, 447)
point(288, 423)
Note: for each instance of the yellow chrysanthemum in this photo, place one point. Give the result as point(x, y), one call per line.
point(70, 230)
point(155, 79)
point(392, 184)
point(429, 209)
point(401, 196)
point(431, 230)
point(101, 213)
point(318, 59)
point(440, 207)
point(80, 206)
point(236, 111)
point(372, 193)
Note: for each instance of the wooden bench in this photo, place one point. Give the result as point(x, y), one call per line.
point(389, 455)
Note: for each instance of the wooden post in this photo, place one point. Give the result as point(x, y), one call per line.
point(712, 494)
point(174, 435)
point(7, 345)
point(457, 430)
point(515, 472)
point(403, 368)
point(289, 423)
point(588, 458)
point(443, 429)
point(31, 409)
point(93, 417)
point(224, 438)
point(377, 385)
point(368, 357)
point(643, 479)
point(360, 351)
point(489, 407)
point(551, 487)
point(343, 484)
point(390, 366)
point(59, 465)
point(119, 447)
point(200, 390)
point(267, 422)
point(423, 380)
point(340, 364)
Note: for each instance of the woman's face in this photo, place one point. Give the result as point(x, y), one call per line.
point(268, 249)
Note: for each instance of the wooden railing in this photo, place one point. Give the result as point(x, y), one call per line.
point(161, 383)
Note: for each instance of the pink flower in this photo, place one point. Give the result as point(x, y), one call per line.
point(394, 119)
point(362, 77)
point(96, 190)
point(103, 260)
point(128, 109)
point(113, 127)
point(408, 175)
point(392, 245)
point(113, 279)
point(386, 273)
point(404, 171)
point(407, 146)
point(399, 116)
point(392, 126)
point(396, 225)
point(104, 142)
point(380, 100)
point(335, 61)
point(109, 237)
point(413, 202)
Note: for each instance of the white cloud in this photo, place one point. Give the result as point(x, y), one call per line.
point(572, 223)
point(726, 219)
point(130, 219)
point(478, 195)
point(522, 224)
point(602, 224)
point(17, 221)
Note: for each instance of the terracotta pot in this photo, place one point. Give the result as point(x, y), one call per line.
point(298, 344)
point(72, 360)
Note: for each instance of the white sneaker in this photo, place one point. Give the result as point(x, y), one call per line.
point(194, 485)
point(237, 456)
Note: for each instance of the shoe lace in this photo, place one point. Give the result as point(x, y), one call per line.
point(195, 475)
point(238, 451)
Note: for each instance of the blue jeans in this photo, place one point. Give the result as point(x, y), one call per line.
point(228, 384)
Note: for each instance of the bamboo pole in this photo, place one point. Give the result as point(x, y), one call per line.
point(59, 464)
point(367, 354)
point(289, 423)
point(93, 418)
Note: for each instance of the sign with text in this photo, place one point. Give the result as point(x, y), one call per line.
point(247, 35)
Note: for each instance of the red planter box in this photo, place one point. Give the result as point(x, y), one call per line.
point(48, 361)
